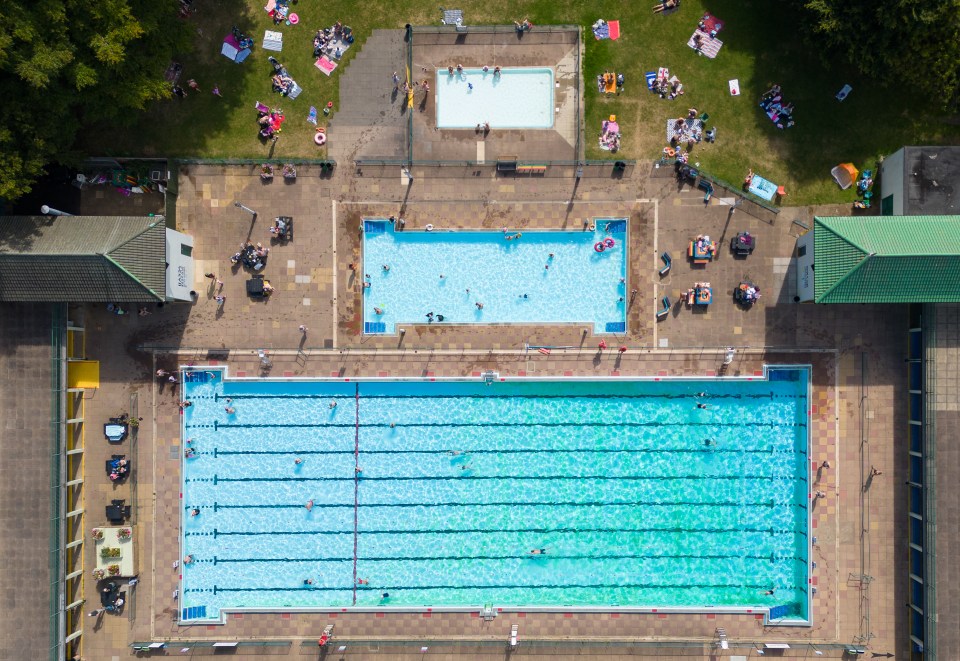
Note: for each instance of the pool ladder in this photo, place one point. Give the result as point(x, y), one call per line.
point(490, 377)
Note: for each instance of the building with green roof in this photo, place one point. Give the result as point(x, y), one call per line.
point(880, 259)
point(93, 259)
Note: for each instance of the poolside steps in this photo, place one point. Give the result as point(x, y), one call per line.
point(372, 227)
point(194, 613)
point(369, 122)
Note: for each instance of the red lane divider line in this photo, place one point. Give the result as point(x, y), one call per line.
point(356, 489)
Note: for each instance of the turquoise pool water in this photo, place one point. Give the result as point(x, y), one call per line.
point(520, 97)
point(516, 280)
point(460, 480)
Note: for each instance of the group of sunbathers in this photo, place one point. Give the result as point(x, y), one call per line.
point(270, 121)
point(118, 468)
point(283, 83)
point(325, 41)
point(250, 256)
point(780, 113)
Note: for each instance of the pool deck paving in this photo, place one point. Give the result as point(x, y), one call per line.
point(857, 354)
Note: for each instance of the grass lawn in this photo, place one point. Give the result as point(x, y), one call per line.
point(760, 47)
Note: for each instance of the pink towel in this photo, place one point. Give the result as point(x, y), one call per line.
point(614, 29)
point(325, 65)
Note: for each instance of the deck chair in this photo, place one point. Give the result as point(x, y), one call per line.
point(665, 309)
point(667, 263)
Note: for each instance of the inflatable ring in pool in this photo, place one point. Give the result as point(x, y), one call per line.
point(593, 227)
point(320, 137)
point(609, 243)
point(429, 227)
point(599, 247)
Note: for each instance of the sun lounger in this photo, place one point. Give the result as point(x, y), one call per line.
point(667, 263)
point(664, 309)
point(115, 432)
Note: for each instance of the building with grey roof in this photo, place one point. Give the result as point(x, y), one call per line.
point(95, 259)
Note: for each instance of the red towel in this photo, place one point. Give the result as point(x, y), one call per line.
point(711, 23)
point(614, 29)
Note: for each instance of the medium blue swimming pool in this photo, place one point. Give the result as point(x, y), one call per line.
point(526, 277)
point(638, 497)
point(520, 97)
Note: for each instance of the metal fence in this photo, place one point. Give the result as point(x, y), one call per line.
point(621, 168)
point(58, 368)
point(751, 204)
point(479, 35)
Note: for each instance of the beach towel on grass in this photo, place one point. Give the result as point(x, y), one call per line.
point(272, 40)
point(711, 23)
point(690, 127)
point(325, 65)
point(600, 29)
point(312, 117)
point(614, 29)
point(709, 47)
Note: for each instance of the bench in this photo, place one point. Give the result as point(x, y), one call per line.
point(667, 263)
point(707, 187)
point(531, 169)
point(665, 309)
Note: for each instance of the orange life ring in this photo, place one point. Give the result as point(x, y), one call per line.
point(609, 243)
point(669, 151)
point(599, 247)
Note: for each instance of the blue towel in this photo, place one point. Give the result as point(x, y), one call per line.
point(312, 117)
point(602, 31)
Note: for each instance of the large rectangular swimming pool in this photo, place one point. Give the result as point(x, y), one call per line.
point(518, 98)
point(532, 277)
point(436, 492)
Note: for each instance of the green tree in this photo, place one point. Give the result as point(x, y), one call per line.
point(914, 44)
point(65, 64)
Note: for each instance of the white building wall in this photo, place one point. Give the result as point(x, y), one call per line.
point(805, 274)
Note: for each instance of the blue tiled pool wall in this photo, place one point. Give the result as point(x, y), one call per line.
point(791, 612)
point(614, 227)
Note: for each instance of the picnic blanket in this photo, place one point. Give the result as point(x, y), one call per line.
point(692, 128)
point(606, 29)
point(335, 48)
point(762, 188)
point(610, 136)
point(711, 23)
point(326, 65)
point(709, 46)
point(609, 87)
point(273, 40)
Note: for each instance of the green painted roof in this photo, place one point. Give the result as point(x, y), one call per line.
point(887, 259)
point(78, 259)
